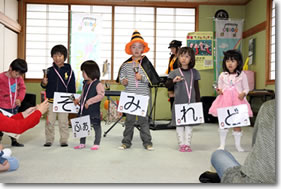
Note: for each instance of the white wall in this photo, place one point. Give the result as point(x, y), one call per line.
point(2, 5)
point(8, 38)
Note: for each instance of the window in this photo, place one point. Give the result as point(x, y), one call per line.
point(128, 19)
point(47, 25)
point(272, 43)
point(172, 23)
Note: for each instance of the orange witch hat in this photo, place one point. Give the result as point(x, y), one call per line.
point(136, 37)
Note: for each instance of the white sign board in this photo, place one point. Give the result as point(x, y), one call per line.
point(81, 126)
point(63, 102)
point(187, 114)
point(9, 115)
point(233, 116)
point(134, 104)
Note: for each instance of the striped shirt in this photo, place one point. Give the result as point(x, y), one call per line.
point(139, 87)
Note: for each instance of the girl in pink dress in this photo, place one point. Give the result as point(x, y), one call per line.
point(232, 91)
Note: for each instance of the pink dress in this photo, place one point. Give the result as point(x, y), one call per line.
point(231, 86)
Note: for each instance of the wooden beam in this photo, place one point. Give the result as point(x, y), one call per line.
point(257, 28)
point(156, 3)
point(21, 35)
point(268, 81)
point(9, 23)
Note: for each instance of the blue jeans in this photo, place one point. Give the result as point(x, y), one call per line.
point(222, 160)
point(14, 163)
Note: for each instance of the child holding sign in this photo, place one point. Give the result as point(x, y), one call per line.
point(134, 78)
point(59, 78)
point(90, 99)
point(186, 89)
point(232, 91)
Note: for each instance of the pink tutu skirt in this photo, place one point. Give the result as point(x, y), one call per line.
point(228, 98)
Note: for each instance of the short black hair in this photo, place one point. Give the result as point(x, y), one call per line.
point(59, 49)
point(19, 65)
point(191, 53)
point(91, 68)
point(233, 55)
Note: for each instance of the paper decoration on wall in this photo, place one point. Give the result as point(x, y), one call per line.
point(251, 54)
point(202, 44)
point(105, 68)
point(228, 36)
point(86, 35)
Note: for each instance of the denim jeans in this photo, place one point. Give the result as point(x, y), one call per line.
point(222, 160)
point(14, 163)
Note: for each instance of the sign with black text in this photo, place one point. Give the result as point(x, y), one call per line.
point(63, 102)
point(188, 114)
point(233, 116)
point(134, 104)
point(81, 126)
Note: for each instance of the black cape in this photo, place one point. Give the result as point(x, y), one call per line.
point(149, 70)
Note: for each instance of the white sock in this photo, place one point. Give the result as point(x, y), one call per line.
point(7, 152)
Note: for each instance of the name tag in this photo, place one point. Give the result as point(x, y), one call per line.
point(134, 104)
point(81, 126)
point(233, 116)
point(63, 102)
point(187, 114)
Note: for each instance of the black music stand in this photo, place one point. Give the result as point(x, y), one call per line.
point(105, 133)
point(108, 94)
point(153, 124)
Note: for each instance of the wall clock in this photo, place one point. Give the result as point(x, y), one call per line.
point(221, 14)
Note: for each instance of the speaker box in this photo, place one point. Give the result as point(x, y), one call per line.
point(28, 101)
point(207, 102)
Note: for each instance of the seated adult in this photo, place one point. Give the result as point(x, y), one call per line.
point(259, 166)
point(17, 124)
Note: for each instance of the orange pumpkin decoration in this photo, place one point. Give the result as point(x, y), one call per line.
point(106, 104)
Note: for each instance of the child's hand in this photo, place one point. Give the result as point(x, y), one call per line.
point(241, 96)
point(18, 102)
point(138, 76)
point(125, 82)
point(177, 79)
point(219, 91)
point(43, 107)
point(45, 80)
point(86, 106)
point(76, 102)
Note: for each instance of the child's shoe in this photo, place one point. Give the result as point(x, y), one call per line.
point(187, 148)
point(149, 148)
point(182, 148)
point(95, 147)
point(80, 146)
point(123, 147)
